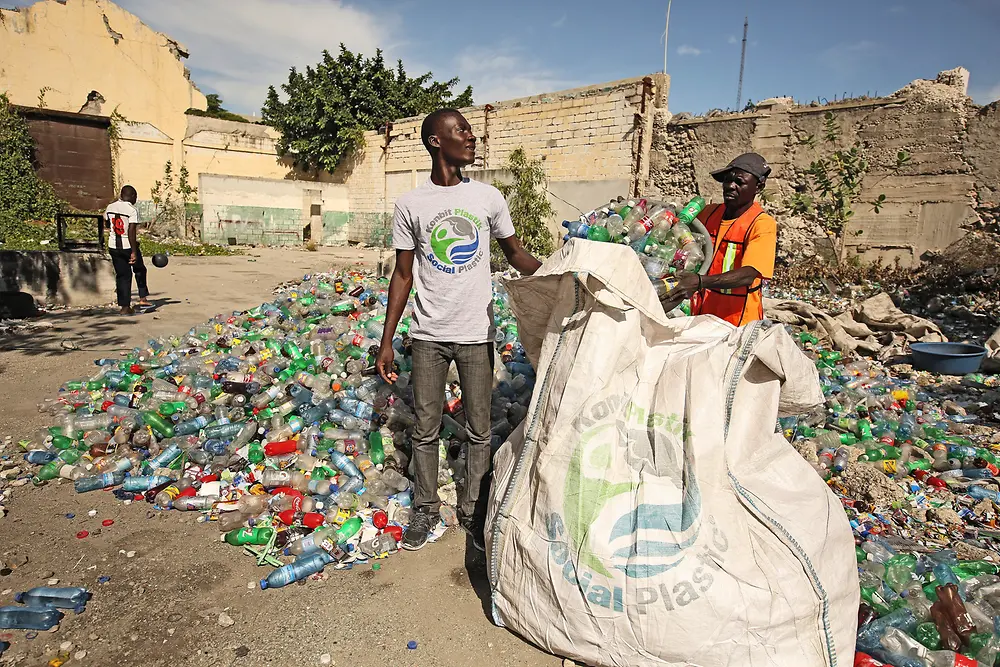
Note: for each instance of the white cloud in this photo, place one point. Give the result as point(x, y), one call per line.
point(847, 58)
point(505, 71)
point(732, 39)
point(985, 95)
point(239, 47)
point(560, 22)
point(685, 50)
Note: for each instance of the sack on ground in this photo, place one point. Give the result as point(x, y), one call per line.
point(646, 512)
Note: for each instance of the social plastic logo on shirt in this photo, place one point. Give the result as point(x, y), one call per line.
point(455, 241)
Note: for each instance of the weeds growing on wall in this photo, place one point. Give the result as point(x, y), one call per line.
point(170, 202)
point(833, 183)
point(115, 141)
point(23, 195)
point(529, 206)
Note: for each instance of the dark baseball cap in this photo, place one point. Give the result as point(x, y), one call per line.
point(752, 163)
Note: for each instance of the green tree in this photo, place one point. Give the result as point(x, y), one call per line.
point(327, 108)
point(529, 207)
point(23, 196)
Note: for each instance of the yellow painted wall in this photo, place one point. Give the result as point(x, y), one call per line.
point(94, 45)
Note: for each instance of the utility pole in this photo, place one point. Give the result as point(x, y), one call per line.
point(743, 60)
point(665, 30)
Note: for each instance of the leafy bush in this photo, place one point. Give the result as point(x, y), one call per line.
point(23, 196)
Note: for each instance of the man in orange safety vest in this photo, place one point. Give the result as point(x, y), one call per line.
point(744, 238)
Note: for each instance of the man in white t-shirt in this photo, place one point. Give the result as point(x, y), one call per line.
point(446, 224)
point(122, 220)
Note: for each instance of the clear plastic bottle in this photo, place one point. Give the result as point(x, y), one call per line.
point(29, 618)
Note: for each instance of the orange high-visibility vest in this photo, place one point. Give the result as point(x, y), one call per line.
point(733, 305)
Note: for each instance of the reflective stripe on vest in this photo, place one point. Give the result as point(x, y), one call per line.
point(730, 257)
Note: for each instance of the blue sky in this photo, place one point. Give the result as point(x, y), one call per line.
point(802, 48)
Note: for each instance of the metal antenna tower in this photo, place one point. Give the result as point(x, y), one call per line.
point(743, 60)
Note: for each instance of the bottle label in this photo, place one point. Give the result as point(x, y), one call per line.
point(330, 546)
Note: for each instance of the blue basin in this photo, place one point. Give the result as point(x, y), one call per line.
point(947, 358)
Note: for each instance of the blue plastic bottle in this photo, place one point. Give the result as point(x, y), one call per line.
point(143, 482)
point(29, 618)
point(297, 570)
point(345, 464)
point(40, 457)
point(95, 482)
point(61, 598)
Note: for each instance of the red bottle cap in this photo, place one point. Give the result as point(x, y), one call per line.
point(108, 522)
point(82, 534)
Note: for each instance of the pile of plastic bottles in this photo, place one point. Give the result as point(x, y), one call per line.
point(921, 492)
point(41, 607)
point(273, 424)
point(666, 237)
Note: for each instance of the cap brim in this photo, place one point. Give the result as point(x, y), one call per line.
point(720, 174)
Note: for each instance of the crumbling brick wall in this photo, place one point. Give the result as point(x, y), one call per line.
point(585, 135)
point(949, 184)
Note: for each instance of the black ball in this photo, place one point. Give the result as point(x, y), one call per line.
point(160, 260)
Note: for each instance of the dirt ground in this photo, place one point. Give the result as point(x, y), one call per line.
point(162, 605)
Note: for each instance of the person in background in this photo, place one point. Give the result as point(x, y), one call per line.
point(446, 224)
point(122, 219)
point(744, 238)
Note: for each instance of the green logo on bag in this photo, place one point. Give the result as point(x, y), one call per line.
point(615, 531)
point(649, 537)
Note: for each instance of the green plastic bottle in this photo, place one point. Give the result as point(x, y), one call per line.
point(255, 452)
point(375, 450)
point(241, 536)
point(691, 210)
point(62, 442)
point(159, 425)
point(972, 568)
point(349, 529)
point(977, 642)
point(172, 407)
point(899, 571)
point(928, 635)
point(880, 454)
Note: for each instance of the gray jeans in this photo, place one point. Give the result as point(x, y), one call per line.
point(428, 376)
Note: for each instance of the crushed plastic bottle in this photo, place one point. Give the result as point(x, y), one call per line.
point(272, 424)
point(923, 604)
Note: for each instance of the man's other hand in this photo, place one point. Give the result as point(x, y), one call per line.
point(383, 364)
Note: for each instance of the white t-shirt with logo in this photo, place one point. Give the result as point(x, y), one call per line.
point(449, 228)
point(117, 217)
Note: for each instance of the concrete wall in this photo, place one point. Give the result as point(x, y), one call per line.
point(63, 278)
point(948, 186)
point(592, 141)
point(272, 212)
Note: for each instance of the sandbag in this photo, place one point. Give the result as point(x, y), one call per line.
point(646, 512)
